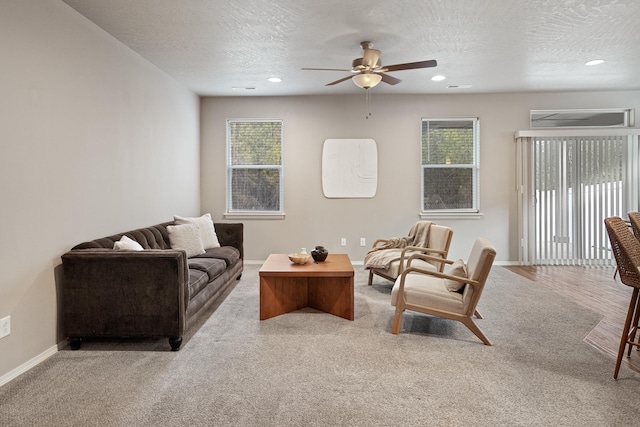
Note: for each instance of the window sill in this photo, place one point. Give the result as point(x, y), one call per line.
point(451, 215)
point(253, 215)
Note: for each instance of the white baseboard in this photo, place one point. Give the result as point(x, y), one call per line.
point(508, 263)
point(28, 365)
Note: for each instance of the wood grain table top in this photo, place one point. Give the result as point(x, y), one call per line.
point(336, 265)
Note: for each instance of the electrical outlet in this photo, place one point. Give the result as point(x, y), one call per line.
point(363, 241)
point(5, 326)
point(343, 241)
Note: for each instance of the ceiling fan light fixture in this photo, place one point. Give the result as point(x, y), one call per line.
point(366, 80)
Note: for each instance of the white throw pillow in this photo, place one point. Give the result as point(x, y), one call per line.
point(127, 244)
point(205, 225)
point(459, 269)
point(185, 237)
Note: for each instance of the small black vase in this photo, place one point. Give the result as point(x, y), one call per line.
point(319, 254)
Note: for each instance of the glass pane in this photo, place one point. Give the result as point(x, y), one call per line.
point(579, 118)
point(255, 189)
point(255, 143)
point(447, 142)
point(448, 188)
point(579, 181)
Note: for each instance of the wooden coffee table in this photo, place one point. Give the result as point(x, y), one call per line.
point(326, 286)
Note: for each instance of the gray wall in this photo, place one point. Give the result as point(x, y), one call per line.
point(95, 140)
point(312, 219)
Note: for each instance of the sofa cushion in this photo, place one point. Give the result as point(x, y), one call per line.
point(197, 281)
point(229, 254)
point(187, 238)
point(125, 243)
point(212, 266)
point(205, 228)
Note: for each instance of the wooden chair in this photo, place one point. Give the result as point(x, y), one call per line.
point(437, 245)
point(626, 250)
point(453, 295)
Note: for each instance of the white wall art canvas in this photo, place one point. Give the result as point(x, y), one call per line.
point(349, 168)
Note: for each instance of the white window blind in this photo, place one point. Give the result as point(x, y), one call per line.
point(254, 166)
point(570, 184)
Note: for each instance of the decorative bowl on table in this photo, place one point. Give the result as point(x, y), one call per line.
point(300, 258)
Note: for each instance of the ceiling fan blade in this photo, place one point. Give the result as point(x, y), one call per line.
point(339, 81)
point(326, 69)
point(389, 79)
point(370, 57)
point(410, 66)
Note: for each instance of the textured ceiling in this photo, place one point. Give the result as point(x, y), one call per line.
point(212, 46)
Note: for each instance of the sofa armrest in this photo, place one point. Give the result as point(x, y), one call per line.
point(124, 293)
point(231, 234)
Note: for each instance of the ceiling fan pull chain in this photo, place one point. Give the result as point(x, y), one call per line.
point(367, 102)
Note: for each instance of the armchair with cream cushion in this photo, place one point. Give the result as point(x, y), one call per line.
point(453, 294)
point(387, 258)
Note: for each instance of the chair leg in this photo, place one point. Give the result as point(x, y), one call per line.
point(469, 323)
point(397, 319)
point(478, 315)
point(625, 331)
point(631, 339)
point(370, 278)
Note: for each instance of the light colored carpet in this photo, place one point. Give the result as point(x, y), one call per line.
point(311, 368)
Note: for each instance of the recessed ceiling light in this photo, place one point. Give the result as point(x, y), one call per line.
point(458, 86)
point(438, 78)
point(594, 62)
point(274, 79)
point(242, 88)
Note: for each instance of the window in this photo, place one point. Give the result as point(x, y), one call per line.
point(254, 167)
point(450, 166)
point(581, 118)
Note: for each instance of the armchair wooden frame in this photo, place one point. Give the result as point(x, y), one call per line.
point(466, 316)
point(403, 255)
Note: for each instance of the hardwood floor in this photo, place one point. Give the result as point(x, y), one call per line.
point(596, 289)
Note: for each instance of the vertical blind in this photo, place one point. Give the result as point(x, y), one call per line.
point(570, 184)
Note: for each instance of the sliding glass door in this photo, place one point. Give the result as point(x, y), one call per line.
point(575, 182)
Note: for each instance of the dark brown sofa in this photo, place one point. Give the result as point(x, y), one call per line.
point(156, 292)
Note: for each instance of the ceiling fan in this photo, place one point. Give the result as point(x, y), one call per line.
point(368, 71)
